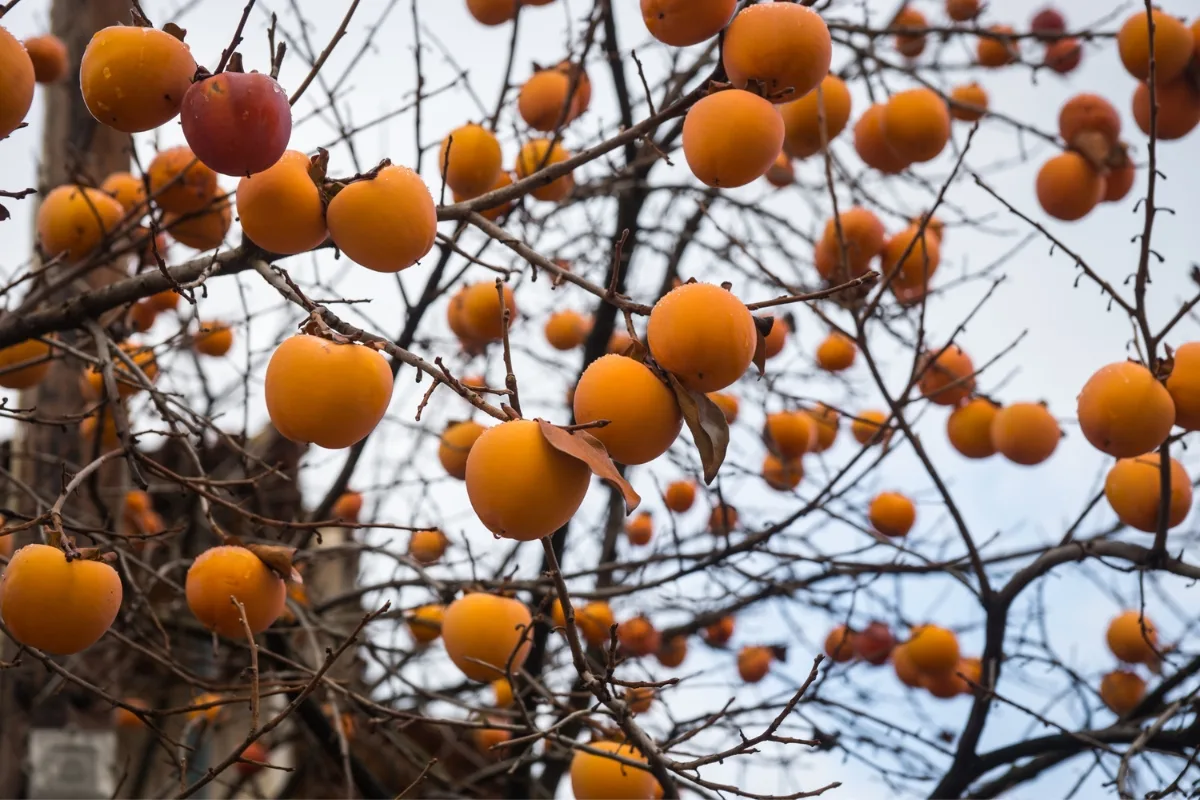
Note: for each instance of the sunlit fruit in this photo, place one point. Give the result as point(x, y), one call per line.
point(643, 415)
point(933, 649)
point(682, 23)
point(487, 635)
point(134, 78)
point(782, 47)
point(223, 572)
point(703, 334)
point(280, 208)
point(470, 160)
point(1124, 411)
point(916, 124)
point(1133, 488)
point(385, 223)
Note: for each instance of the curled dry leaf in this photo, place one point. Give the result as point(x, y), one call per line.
point(279, 559)
point(707, 423)
point(778, 652)
point(762, 326)
point(588, 449)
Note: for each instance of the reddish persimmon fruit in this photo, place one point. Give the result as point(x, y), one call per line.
point(237, 123)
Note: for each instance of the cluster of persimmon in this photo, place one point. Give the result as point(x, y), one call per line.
point(929, 659)
point(1133, 639)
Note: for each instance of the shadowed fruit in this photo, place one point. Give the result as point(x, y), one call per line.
point(520, 487)
point(638, 637)
point(944, 685)
point(470, 160)
point(1173, 46)
point(213, 339)
point(867, 427)
point(673, 651)
point(680, 496)
point(502, 691)
point(836, 353)
point(874, 643)
point(727, 403)
point(124, 718)
point(722, 520)
point(127, 189)
point(1132, 638)
point(425, 623)
point(640, 530)
point(329, 394)
point(280, 208)
point(1178, 109)
point(910, 44)
point(802, 118)
point(109, 438)
point(489, 741)
point(128, 381)
point(970, 102)
point(1025, 433)
point(949, 379)
point(704, 335)
point(1183, 384)
point(455, 445)
point(427, 547)
point(543, 100)
point(256, 751)
point(644, 418)
point(933, 649)
point(1121, 691)
point(682, 23)
point(1134, 490)
point(179, 183)
point(862, 235)
point(486, 634)
point(133, 78)
point(776, 339)
point(906, 670)
point(238, 123)
point(914, 257)
point(1047, 24)
point(72, 221)
point(536, 155)
point(753, 663)
point(828, 422)
point(33, 354)
point(720, 632)
point(839, 644)
point(49, 57)
point(203, 230)
point(495, 212)
point(790, 434)
point(969, 428)
point(1124, 411)
point(916, 124)
point(962, 10)
point(1089, 113)
point(492, 12)
point(223, 572)
point(1119, 182)
point(347, 507)
point(782, 46)
point(386, 223)
point(16, 90)
point(998, 51)
point(482, 316)
point(595, 621)
point(602, 777)
point(141, 317)
point(1064, 55)
point(732, 138)
point(892, 514)
point(1068, 187)
point(639, 698)
point(871, 143)
point(782, 475)
point(781, 174)
point(61, 607)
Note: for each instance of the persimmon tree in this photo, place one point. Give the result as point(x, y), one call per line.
point(640, 417)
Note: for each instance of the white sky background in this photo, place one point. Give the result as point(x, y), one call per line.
point(1068, 336)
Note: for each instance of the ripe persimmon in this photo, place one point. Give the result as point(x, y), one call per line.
point(722, 520)
point(1133, 638)
point(59, 605)
point(127, 189)
point(133, 78)
point(347, 507)
point(892, 514)
point(16, 90)
point(836, 352)
point(998, 50)
point(24, 364)
point(1183, 384)
point(643, 415)
point(425, 623)
point(237, 123)
point(386, 223)
point(1124, 411)
point(128, 381)
point(492, 12)
point(720, 632)
point(1025, 433)
point(912, 258)
point(782, 475)
point(640, 530)
point(640, 699)
point(753, 663)
point(179, 182)
point(776, 339)
point(790, 434)
point(728, 404)
point(680, 496)
point(682, 23)
point(969, 428)
point(962, 10)
point(802, 118)
point(1178, 109)
point(944, 685)
point(839, 644)
point(1133, 488)
point(970, 102)
point(828, 422)
point(603, 777)
point(470, 160)
point(1174, 46)
point(910, 44)
point(202, 230)
point(427, 547)
point(1069, 187)
point(874, 643)
point(703, 334)
point(329, 394)
point(863, 236)
point(280, 208)
point(537, 155)
point(220, 573)
point(543, 100)
point(949, 378)
point(871, 143)
point(73, 221)
point(781, 174)
point(1089, 113)
point(49, 57)
point(731, 138)
point(783, 47)
point(1063, 55)
point(916, 124)
point(486, 634)
point(638, 637)
point(124, 718)
point(906, 670)
point(455, 445)
point(933, 649)
point(1118, 182)
point(213, 338)
point(502, 691)
point(520, 486)
point(495, 212)
point(673, 651)
point(1122, 691)
point(595, 621)
point(867, 427)
point(482, 315)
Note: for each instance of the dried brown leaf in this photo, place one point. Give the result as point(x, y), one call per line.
point(279, 559)
point(762, 326)
point(779, 652)
point(588, 449)
point(707, 423)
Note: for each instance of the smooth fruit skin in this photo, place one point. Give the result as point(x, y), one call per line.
point(520, 487)
point(836, 353)
point(425, 623)
point(753, 663)
point(673, 652)
point(1047, 22)
point(1123, 411)
point(913, 264)
point(566, 330)
point(944, 685)
point(874, 643)
point(781, 45)
point(1068, 187)
point(203, 230)
point(732, 138)
point(1183, 384)
point(213, 339)
point(1121, 691)
point(542, 101)
point(872, 146)
point(223, 572)
point(828, 423)
point(16, 89)
point(427, 547)
point(638, 637)
point(916, 125)
point(962, 10)
point(1119, 182)
point(470, 160)
point(933, 649)
point(347, 507)
point(127, 189)
point(950, 379)
point(73, 221)
point(839, 645)
point(1025, 433)
point(386, 223)
point(55, 605)
point(644, 418)
point(134, 79)
point(49, 57)
point(640, 530)
point(280, 208)
point(906, 671)
point(193, 192)
point(455, 445)
point(1089, 112)
point(722, 520)
point(1132, 638)
point(1064, 55)
point(533, 158)
point(596, 777)
point(492, 12)
point(502, 182)
point(682, 23)
point(1174, 45)
point(862, 236)
point(33, 352)
point(237, 123)
point(998, 52)
point(702, 334)
point(780, 475)
point(802, 118)
point(482, 314)
point(1178, 109)
point(892, 514)
point(680, 496)
point(971, 102)
point(910, 44)
point(790, 434)
point(775, 341)
point(1134, 490)
point(595, 621)
point(867, 426)
point(329, 394)
point(720, 632)
point(969, 428)
point(485, 634)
